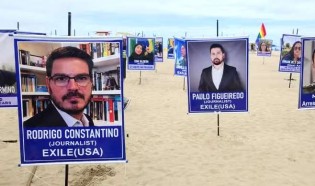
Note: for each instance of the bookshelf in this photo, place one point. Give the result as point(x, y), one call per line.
point(105, 107)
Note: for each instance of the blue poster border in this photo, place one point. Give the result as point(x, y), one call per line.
point(145, 65)
point(179, 68)
point(170, 50)
point(306, 100)
point(22, 135)
point(288, 67)
point(156, 58)
point(242, 105)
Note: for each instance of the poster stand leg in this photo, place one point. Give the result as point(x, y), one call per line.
point(29, 181)
point(184, 84)
point(263, 59)
point(66, 174)
point(290, 79)
point(218, 122)
point(140, 78)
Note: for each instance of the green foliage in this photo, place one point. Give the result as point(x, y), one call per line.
point(284, 52)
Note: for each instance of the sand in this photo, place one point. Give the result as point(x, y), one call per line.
point(271, 145)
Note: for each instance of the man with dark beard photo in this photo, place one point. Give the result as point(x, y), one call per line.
point(219, 77)
point(69, 83)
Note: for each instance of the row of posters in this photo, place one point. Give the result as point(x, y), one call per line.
point(217, 80)
point(290, 54)
point(296, 53)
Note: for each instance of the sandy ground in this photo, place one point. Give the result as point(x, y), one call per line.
point(271, 145)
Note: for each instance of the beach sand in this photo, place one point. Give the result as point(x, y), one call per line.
point(271, 145)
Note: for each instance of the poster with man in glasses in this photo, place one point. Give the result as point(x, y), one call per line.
point(290, 57)
point(66, 112)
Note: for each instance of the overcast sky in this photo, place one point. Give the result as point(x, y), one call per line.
point(166, 18)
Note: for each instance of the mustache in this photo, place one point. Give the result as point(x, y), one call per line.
point(72, 94)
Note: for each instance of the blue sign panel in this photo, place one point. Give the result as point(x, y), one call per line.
point(217, 75)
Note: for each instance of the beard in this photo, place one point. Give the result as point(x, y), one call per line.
point(74, 109)
point(217, 61)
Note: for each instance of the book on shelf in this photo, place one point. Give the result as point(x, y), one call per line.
point(99, 50)
point(24, 57)
point(86, 47)
point(93, 51)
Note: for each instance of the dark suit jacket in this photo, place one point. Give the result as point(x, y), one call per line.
point(230, 80)
point(49, 117)
point(7, 78)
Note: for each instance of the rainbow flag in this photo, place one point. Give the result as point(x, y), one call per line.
point(262, 33)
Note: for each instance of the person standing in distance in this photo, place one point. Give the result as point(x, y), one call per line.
point(69, 83)
point(219, 77)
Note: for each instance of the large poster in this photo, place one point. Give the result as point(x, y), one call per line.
point(158, 49)
point(70, 97)
point(217, 75)
point(307, 80)
point(180, 68)
point(140, 53)
point(170, 48)
point(290, 57)
point(264, 47)
point(8, 77)
point(8, 93)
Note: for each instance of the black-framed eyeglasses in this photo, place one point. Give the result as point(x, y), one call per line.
point(297, 48)
point(82, 80)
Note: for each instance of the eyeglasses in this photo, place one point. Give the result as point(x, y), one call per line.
point(297, 48)
point(82, 80)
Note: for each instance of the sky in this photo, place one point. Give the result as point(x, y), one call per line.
point(163, 18)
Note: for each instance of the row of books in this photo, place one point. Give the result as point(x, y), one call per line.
point(108, 109)
point(98, 50)
point(101, 81)
point(28, 82)
point(34, 105)
point(105, 108)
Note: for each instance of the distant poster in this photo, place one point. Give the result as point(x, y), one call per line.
point(140, 53)
point(70, 100)
point(8, 77)
point(264, 47)
point(170, 48)
point(217, 75)
point(180, 68)
point(307, 80)
point(290, 56)
point(8, 92)
point(158, 49)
